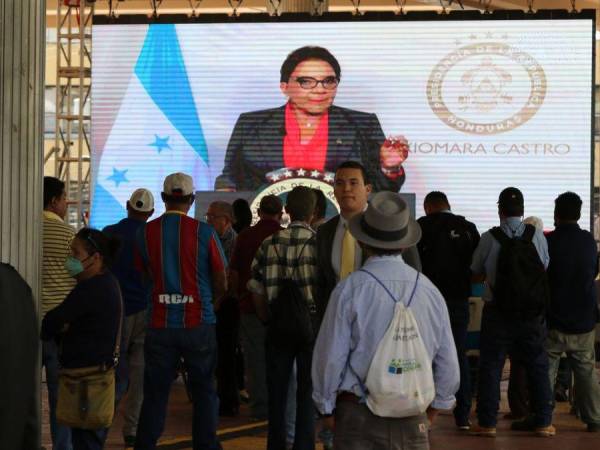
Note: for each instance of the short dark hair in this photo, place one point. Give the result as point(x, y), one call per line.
point(242, 212)
point(224, 207)
point(53, 188)
point(95, 241)
point(270, 204)
point(321, 204)
point(304, 54)
point(177, 199)
point(300, 204)
point(354, 165)
point(436, 198)
point(511, 202)
point(567, 206)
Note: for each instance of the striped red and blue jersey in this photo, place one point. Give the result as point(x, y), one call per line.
point(180, 254)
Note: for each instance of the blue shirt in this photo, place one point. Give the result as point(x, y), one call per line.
point(358, 315)
point(135, 293)
point(486, 253)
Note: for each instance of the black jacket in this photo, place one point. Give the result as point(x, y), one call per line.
point(256, 147)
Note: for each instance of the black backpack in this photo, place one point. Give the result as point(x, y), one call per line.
point(290, 314)
point(446, 252)
point(521, 289)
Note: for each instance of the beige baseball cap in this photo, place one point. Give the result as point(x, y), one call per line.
point(142, 200)
point(178, 184)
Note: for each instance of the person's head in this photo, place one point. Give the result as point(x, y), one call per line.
point(300, 204)
point(351, 188)
point(220, 216)
point(385, 227)
point(510, 203)
point(434, 202)
point(270, 208)
point(140, 205)
point(567, 208)
point(242, 214)
point(91, 252)
point(320, 205)
point(537, 222)
point(178, 192)
point(55, 197)
point(309, 78)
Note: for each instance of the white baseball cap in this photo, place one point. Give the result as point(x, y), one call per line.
point(141, 200)
point(178, 184)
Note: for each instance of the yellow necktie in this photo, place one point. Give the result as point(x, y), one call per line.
point(348, 251)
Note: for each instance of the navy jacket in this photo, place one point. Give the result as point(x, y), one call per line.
point(256, 147)
point(573, 268)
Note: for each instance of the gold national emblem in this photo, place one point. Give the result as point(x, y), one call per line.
point(486, 88)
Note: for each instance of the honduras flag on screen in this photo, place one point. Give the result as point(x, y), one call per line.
point(157, 131)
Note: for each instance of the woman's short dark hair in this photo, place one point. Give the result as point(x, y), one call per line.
point(304, 54)
point(567, 206)
point(95, 241)
point(53, 188)
point(321, 204)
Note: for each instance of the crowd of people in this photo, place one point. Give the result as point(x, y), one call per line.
point(304, 317)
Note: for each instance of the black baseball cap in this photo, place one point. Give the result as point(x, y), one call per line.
point(510, 196)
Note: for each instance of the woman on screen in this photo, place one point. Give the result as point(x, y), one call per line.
point(309, 132)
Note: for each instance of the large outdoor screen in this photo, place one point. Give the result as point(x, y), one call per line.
point(483, 104)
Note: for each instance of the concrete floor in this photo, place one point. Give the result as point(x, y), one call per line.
point(244, 434)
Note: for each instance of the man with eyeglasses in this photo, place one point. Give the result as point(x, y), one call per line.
point(309, 132)
point(220, 216)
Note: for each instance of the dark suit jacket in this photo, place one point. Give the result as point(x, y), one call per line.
point(326, 277)
point(256, 147)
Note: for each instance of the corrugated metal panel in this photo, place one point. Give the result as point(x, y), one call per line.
point(22, 40)
point(22, 34)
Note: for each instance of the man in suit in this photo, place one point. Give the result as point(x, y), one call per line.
point(338, 253)
point(308, 132)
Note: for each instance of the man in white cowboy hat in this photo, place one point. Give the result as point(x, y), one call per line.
point(358, 315)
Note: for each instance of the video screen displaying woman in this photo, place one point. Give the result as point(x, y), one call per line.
point(309, 132)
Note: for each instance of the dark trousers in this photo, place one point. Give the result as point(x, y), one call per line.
point(524, 340)
point(279, 361)
point(518, 392)
point(163, 350)
point(228, 324)
point(88, 439)
point(459, 321)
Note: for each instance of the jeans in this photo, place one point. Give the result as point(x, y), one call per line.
point(280, 361)
point(61, 435)
point(252, 336)
point(524, 340)
point(357, 428)
point(163, 350)
point(88, 439)
point(580, 353)
point(518, 390)
point(130, 372)
point(459, 322)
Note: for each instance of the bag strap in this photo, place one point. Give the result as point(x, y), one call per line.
point(499, 235)
point(117, 350)
point(388, 291)
point(528, 233)
point(295, 268)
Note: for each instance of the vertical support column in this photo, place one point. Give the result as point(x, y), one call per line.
point(22, 42)
point(73, 120)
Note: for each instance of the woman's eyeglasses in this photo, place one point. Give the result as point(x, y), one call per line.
point(329, 83)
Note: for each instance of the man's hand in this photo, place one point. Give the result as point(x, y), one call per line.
point(393, 152)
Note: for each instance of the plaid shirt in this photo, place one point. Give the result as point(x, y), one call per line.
point(268, 268)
